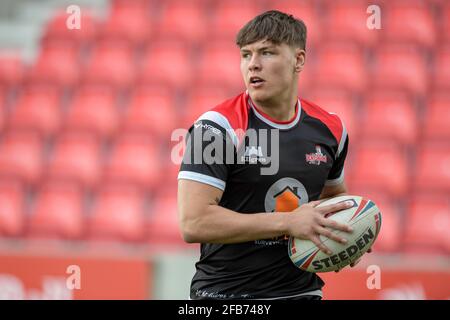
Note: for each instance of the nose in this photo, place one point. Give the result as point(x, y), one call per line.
point(254, 64)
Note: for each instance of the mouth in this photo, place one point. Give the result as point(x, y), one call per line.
point(256, 81)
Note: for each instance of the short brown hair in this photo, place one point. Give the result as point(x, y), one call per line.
point(275, 26)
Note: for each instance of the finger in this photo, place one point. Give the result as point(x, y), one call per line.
point(330, 235)
point(335, 207)
point(335, 225)
point(315, 203)
point(316, 240)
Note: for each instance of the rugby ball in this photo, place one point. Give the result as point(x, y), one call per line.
point(365, 219)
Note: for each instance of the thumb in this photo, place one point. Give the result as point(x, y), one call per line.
point(315, 203)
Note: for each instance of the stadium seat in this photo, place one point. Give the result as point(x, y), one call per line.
point(57, 63)
point(347, 21)
point(400, 67)
point(201, 100)
point(93, 108)
point(168, 63)
point(437, 117)
point(381, 166)
point(339, 102)
point(21, 155)
point(445, 23)
point(441, 70)
point(390, 237)
point(112, 63)
point(230, 16)
point(58, 212)
point(56, 28)
point(182, 20)
point(409, 23)
point(12, 68)
point(428, 222)
point(117, 214)
point(38, 108)
point(304, 10)
point(151, 110)
point(219, 63)
point(340, 65)
point(135, 158)
point(129, 21)
point(76, 156)
point(163, 227)
point(390, 116)
point(12, 198)
point(432, 171)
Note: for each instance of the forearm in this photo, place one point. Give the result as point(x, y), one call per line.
point(220, 225)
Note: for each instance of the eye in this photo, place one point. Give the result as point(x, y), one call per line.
point(245, 55)
point(267, 53)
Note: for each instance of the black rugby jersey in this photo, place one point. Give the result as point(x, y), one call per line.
point(303, 156)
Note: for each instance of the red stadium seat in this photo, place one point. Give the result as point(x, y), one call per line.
point(341, 65)
point(11, 68)
point(390, 237)
point(76, 156)
point(200, 101)
point(12, 219)
point(57, 28)
point(151, 110)
point(183, 20)
point(21, 155)
point(220, 63)
point(117, 214)
point(37, 108)
point(57, 63)
point(230, 16)
point(409, 23)
point(305, 11)
point(441, 70)
point(135, 158)
point(169, 63)
point(445, 23)
point(111, 63)
point(347, 21)
point(381, 166)
point(433, 168)
point(93, 108)
point(394, 113)
point(400, 67)
point(163, 227)
point(437, 117)
point(129, 21)
point(58, 212)
point(339, 102)
point(428, 222)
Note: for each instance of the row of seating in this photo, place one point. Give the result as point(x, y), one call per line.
point(141, 159)
point(120, 212)
point(418, 22)
point(336, 64)
point(157, 111)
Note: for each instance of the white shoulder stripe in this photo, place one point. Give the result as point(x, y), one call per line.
point(203, 178)
point(343, 137)
point(222, 121)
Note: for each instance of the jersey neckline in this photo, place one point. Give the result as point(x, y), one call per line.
point(275, 123)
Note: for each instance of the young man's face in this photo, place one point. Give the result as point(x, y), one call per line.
point(270, 71)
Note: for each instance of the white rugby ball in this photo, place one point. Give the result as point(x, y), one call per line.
point(365, 219)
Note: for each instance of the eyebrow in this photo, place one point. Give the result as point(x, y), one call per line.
point(260, 49)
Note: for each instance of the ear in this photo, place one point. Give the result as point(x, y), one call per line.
point(300, 56)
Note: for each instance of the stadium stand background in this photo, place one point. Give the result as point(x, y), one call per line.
point(86, 118)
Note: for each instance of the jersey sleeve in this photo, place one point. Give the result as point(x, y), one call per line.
point(208, 154)
point(336, 174)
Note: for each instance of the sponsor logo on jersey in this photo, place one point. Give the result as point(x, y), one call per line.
point(253, 154)
point(317, 157)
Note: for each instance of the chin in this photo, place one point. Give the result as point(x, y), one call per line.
point(258, 95)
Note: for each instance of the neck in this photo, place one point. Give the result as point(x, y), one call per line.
point(279, 109)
